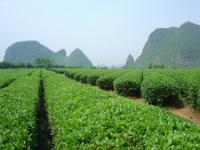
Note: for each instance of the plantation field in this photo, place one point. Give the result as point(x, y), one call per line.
point(156, 86)
point(9, 75)
point(82, 116)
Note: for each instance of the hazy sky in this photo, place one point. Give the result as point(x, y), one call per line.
point(106, 30)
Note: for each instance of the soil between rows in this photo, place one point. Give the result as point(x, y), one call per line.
point(44, 139)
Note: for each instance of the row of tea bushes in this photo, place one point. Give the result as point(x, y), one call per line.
point(181, 77)
point(186, 80)
point(193, 92)
point(17, 112)
point(87, 75)
point(6, 82)
point(84, 117)
point(106, 81)
point(157, 86)
point(129, 83)
point(159, 89)
point(9, 75)
point(104, 78)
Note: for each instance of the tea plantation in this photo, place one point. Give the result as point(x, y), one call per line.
point(78, 114)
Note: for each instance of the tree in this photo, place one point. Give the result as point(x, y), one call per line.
point(129, 61)
point(5, 65)
point(43, 62)
point(150, 65)
point(159, 66)
point(29, 65)
point(15, 65)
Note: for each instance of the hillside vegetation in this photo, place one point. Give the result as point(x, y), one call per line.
point(29, 51)
point(173, 47)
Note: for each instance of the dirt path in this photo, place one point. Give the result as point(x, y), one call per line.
point(44, 138)
point(136, 99)
point(187, 113)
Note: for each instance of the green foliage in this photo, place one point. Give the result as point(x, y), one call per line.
point(180, 77)
point(83, 78)
point(150, 65)
point(59, 71)
point(193, 90)
point(77, 77)
point(43, 63)
point(173, 47)
point(6, 65)
point(93, 77)
point(160, 66)
point(84, 117)
point(158, 89)
point(129, 83)
point(8, 75)
point(85, 75)
point(18, 104)
point(67, 73)
point(6, 82)
point(197, 103)
point(186, 80)
point(106, 82)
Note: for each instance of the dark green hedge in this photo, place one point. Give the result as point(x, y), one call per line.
point(6, 83)
point(69, 74)
point(193, 93)
point(83, 78)
point(128, 84)
point(159, 89)
point(106, 82)
point(92, 78)
point(198, 101)
point(77, 77)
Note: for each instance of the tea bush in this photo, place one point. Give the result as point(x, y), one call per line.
point(84, 117)
point(18, 104)
point(128, 84)
point(158, 89)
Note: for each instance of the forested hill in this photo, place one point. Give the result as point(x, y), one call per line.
point(172, 47)
point(29, 51)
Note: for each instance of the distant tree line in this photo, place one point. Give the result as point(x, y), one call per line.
point(159, 66)
point(39, 63)
point(5, 65)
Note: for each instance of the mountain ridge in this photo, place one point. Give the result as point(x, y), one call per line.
point(173, 47)
point(29, 51)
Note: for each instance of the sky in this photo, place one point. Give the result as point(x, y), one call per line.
point(107, 31)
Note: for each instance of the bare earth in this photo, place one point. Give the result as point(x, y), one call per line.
point(187, 113)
